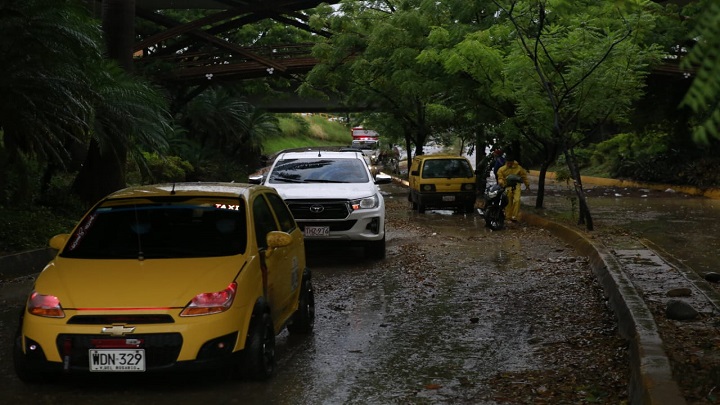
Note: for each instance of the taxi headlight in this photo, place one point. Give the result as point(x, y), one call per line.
point(211, 303)
point(45, 305)
point(365, 203)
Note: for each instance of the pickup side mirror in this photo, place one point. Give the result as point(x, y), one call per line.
point(382, 178)
point(257, 179)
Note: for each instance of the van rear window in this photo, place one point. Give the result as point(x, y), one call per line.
point(446, 168)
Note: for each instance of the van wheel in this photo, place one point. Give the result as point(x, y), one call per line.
point(412, 201)
point(469, 207)
point(258, 359)
point(303, 319)
point(421, 207)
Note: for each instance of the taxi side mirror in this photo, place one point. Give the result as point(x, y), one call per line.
point(277, 239)
point(57, 242)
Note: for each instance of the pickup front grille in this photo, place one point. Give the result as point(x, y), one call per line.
point(319, 209)
point(335, 226)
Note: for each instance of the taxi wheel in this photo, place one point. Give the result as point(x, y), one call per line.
point(23, 371)
point(259, 353)
point(303, 319)
point(421, 207)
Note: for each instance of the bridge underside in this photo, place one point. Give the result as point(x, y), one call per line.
point(198, 53)
point(192, 53)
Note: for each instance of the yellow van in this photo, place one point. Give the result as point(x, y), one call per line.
point(442, 182)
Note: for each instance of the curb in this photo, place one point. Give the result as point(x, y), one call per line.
point(709, 192)
point(651, 380)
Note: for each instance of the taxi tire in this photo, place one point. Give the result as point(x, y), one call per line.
point(20, 363)
point(25, 373)
point(303, 320)
point(258, 360)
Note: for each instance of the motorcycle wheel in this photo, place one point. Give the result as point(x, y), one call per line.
point(494, 218)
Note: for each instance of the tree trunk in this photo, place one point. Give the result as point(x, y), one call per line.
point(118, 24)
point(540, 199)
point(584, 216)
point(104, 170)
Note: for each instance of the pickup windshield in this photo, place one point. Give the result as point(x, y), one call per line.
point(319, 170)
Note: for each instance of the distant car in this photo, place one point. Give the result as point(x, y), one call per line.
point(173, 276)
point(441, 181)
point(333, 197)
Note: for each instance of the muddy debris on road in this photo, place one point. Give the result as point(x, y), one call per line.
point(540, 293)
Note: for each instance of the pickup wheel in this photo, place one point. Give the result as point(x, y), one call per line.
point(303, 319)
point(375, 249)
point(258, 359)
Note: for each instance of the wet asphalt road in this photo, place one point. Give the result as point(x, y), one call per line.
point(451, 309)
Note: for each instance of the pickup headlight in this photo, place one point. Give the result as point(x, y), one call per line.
point(365, 203)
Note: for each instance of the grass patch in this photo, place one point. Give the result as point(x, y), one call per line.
point(32, 228)
point(309, 130)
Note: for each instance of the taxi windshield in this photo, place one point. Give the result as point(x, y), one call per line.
point(162, 229)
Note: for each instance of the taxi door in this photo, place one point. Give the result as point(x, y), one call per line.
point(282, 265)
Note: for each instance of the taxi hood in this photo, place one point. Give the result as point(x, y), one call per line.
point(130, 283)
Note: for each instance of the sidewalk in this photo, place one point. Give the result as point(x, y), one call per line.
point(640, 280)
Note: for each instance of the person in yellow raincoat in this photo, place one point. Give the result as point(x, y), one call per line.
point(510, 176)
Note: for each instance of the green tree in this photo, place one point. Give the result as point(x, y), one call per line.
point(129, 117)
point(575, 66)
point(704, 93)
point(372, 59)
point(46, 47)
point(222, 124)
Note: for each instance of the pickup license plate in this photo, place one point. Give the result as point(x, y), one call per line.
point(448, 198)
point(317, 231)
point(117, 360)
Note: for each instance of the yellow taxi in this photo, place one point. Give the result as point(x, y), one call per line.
point(441, 181)
point(169, 277)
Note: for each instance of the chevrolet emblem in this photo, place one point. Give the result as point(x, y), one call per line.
point(118, 330)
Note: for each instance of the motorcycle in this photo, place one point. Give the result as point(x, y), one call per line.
point(495, 202)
